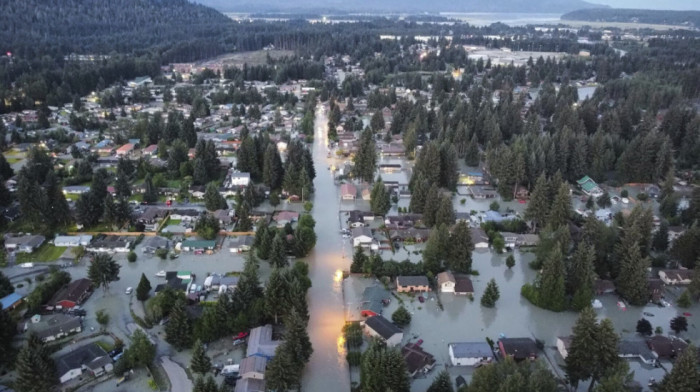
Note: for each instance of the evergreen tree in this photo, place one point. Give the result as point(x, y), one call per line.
point(121, 186)
point(644, 327)
point(401, 317)
point(560, 213)
point(8, 330)
point(212, 198)
point(296, 338)
point(459, 257)
point(275, 294)
point(57, 211)
point(36, 371)
point(358, 260)
point(491, 294)
point(248, 288)
point(283, 372)
point(200, 362)
point(660, 240)
point(366, 157)
point(581, 276)
point(143, 289)
point(178, 331)
point(383, 369)
point(278, 252)
point(632, 279)
point(150, 193)
point(580, 361)
point(684, 377)
point(419, 195)
point(441, 383)
point(445, 212)
point(432, 253)
point(273, 171)
point(694, 286)
point(471, 157)
point(552, 290)
point(510, 261)
point(103, 270)
point(379, 199)
point(679, 324)
point(538, 206)
point(263, 240)
point(6, 287)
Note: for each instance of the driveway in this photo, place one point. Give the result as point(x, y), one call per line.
point(178, 378)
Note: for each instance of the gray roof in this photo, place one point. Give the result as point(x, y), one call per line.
point(250, 385)
point(260, 342)
point(372, 298)
point(382, 326)
point(25, 240)
point(636, 347)
point(359, 231)
point(412, 281)
point(471, 350)
point(156, 242)
point(82, 355)
point(252, 364)
point(53, 325)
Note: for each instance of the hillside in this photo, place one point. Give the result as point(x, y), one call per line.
point(676, 18)
point(402, 6)
point(58, 27)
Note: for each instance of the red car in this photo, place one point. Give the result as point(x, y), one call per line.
point(241, 335)
point(421, 299)
point(419, 342)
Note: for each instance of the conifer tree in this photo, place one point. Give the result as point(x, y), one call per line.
point(212, 198)
point(276, 293)
point(581, 358)
point(538, 206)
point(552, 291)
point(441, 383)
point(379, 198)
point(143, 288)
point(581, 276)
point(459, 256)
point(632, 279)
point(178, 331)
point(200, 362)
point(36, 371)
point(358, 260)
point(491, 294)
point(560, 212)
point(445, 212)
point(684, 377)
point(278, 252)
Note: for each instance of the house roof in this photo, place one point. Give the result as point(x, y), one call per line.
point(587, 184)
point(412, 281)
point(348, 189)
point(260, 342)
point(80, 356)
point(478, 235)
point(250, 385)
point(73, 291)
point(199, 244)
point(151, 149)
point(372, 298)
point(636, 347)
point(361, 231)
point(156, 242)
point(471, 350)
point(444, 277)
point(666, 347)
point(25, 240)
point(519, 348)
point(10, 300)
point(252, 364)
point(382, 326)
point(243, 240)
point(53, 325)
point(677, 274)
point(463, 284)
point(416, 358)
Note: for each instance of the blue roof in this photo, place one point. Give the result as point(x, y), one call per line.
point(475, 173)
point(10, 300)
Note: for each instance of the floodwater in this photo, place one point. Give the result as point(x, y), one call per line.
point(327, 369)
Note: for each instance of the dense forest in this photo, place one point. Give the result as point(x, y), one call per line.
point(677, 18)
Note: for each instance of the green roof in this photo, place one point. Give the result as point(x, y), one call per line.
point(199, 244)
point(587, 184)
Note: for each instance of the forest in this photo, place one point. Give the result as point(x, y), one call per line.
point(624, 15)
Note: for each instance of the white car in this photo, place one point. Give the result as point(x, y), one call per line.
point(160, 274)
point(129, 290)
point(625, 200)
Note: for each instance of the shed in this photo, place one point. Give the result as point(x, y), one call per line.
point(378, 326)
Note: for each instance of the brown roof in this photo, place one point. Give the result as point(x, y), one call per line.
point(665, 347)
point(463, 284)
point(445, 276)
point(75, 291)
point(416, 359)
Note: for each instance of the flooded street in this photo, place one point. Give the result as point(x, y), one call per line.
point(327, 369)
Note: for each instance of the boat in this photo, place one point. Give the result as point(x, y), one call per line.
point(621, 305)
point(648, 314)
point(160, 274)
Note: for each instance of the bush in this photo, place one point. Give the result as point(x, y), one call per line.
point(102, 317)
point(131, 257)
point(494, 206)
point(642, 196)
point(530, 293)
point(401, 317)
point(463, 201)
point(624, 193)
point(162, 253)
point(354, 358)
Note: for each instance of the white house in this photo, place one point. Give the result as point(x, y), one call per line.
point(24, 243)
point(237, 179)
point(446, 282)
point(361, 236)
point(241, 244)
point(470, 354)
point(479, 238)
point(563, 343)
point(379, 327)
point(676, 276)
point(69, 241)
point(90, 357)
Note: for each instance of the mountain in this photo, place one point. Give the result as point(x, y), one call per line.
point(400, 6)
point(57, 27)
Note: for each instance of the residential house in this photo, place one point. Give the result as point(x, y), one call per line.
point(510, 239)
point(361, 236)
point(11, 301)
point(111, 244)
point(224, 217)
point(348, 192)
point(241, 244)
point(463, 285)
point(589, 187)
point(602, 286)
point(151, 216)
point(90, 357)
point(637, 349)
point(676, 276)
point(563, 344)
point(379, 327)
point(656, 289)
point(482, 192)
point(479, 238)
point(409, 235)
point(410, 284)
point(184, 215)
point(472, 178)
point(75, 189)
point(393, 150)
point(358, 218)
point(446, 282)
point(518, 348)
point(152, 244)
point(176, 280)
point(374, 298)
point(403, 220)
point(417, 360)
point(23, 243)
point(261, 343)
point(197, 191)
point(72, 294)
point(140, 81)
point(53, 327)
point(281, 218)
point(521, 193)
point(151, 150)
point(220, 283)
point(250, 385)
point(470, 353)
point(666, 347)
point(125, 150)
point(253, 367)
point(390, 167)
point(237, 179)
point(70, 241)
point(197, 246)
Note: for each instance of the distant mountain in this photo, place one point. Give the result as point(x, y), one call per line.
point(676, 18)
point(399, 6)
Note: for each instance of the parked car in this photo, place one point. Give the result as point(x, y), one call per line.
point(115, 352)
point(129, 290)
point(421, 299)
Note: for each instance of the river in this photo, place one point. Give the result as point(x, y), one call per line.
point(327, 370)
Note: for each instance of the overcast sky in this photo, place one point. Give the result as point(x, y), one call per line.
point(652, 4)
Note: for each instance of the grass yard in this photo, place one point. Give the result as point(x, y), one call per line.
point(173, 222)
point(104, 345)
point(12, 161)
point(46, 252)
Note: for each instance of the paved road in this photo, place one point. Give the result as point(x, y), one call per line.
point(178, 378)
point(327, 369)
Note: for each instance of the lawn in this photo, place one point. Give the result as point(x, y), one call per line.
point(13, 160)
point(104, 345)
point(173, 222)
point(46, 252)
